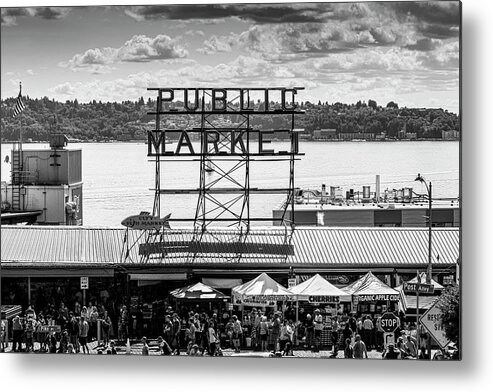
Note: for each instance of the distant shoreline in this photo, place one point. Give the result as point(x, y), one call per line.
point(274, 140)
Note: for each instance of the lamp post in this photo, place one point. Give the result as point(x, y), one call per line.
point(430, 222)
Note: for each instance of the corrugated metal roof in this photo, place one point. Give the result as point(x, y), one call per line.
point(315, 246)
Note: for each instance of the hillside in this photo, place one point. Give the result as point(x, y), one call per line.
point(98, 121)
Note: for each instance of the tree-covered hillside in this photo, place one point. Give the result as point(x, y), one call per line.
point(129, 120)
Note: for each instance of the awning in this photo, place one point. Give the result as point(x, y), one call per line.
point(198, 291)
point(369, 288)
point(172, 276)
point(261, 290)
point(222, 283)
point(318, 290)
point(56, 272)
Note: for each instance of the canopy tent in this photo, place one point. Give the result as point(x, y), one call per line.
point(370, 288)
point(198, 291)
point(262, 288)
point(422, 279)
point(407, 302)
point(317, 289)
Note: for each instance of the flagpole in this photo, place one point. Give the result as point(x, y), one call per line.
point(20, 126)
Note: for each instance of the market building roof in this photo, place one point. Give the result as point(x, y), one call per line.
point(33, 246)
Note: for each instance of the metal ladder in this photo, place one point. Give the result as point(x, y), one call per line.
point(16, 176)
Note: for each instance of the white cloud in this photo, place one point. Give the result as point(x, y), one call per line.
point(139, 48)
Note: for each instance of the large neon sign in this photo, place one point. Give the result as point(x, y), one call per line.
point(278, 100)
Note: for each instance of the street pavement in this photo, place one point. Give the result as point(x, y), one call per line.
point(136, 349)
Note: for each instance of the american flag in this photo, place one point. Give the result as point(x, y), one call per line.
point(19, 105)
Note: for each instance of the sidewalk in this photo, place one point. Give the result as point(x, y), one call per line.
point(136, 349)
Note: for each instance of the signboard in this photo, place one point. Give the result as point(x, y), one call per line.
point(267, 297)
point(389, 322)
point(378, 297)
point(388, 338)
point(291, 282)
point(421, 288)
point(84, 282)
point(49, 328)
point(324, 299)
point(432, 321)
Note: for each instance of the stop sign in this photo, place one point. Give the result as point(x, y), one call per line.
point(389, 322)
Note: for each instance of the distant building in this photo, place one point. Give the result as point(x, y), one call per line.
point(324, 134)
point(357, 136)
point(450, 135)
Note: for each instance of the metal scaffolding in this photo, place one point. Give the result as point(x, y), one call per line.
point(223, 192)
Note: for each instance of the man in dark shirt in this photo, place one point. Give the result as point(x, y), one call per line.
point(309, 328)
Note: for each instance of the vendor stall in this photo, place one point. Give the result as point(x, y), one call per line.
point(262, 291)
point(371, 296)
point(407, 300)
point(317, 292)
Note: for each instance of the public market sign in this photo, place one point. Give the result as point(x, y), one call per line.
point(378, 297)
point(231, 141)
point(420, 288)
point(323, 299)
point(432, 320)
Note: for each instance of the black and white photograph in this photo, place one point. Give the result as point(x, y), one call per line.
point(249, 180)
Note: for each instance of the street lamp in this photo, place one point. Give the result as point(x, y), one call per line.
point(428, 189)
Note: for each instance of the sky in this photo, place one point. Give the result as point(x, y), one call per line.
point(406, 52)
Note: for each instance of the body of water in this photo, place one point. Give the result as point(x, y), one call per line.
point(118, 177)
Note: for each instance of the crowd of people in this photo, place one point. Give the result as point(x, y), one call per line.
point(198, 332)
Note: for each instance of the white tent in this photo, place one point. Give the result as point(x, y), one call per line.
point(198, 291)
point(317, 289)
point(422, 279)
point(369, 287)
point(262, 288)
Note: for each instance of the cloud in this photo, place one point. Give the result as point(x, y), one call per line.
point(139, 48)
point(30, 72)
point(195, 32)
point(258, 13)
point(425, 45)
point(433, 12)
point(9, 15)
point(218, 44)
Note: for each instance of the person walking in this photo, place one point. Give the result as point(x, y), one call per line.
point(83, 332)
point(237, 333)
point(348, 349)
point(73, 330)
point(335, 337)
point(145, 347)
point(359, 348)
point(175, 332)
point(17, 332)
point(310, 331)
point(411, 349)
point(276, 330)
point(319, 326)
point(264, 333)
point(368, 331)
point(212, 340)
